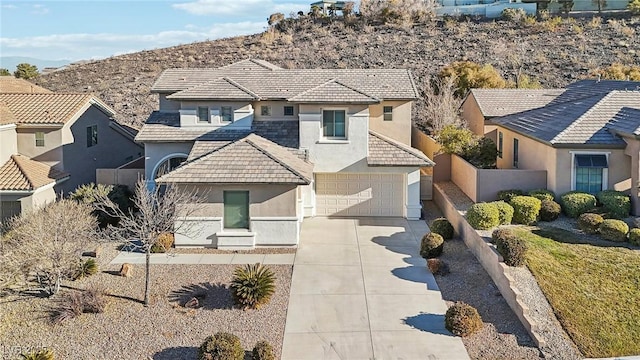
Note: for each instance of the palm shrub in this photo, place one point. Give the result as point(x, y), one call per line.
point(443, 227)
point(431, 245)
point(512, 249)
point(87, 268)
point(525, 209)
point(221, 346)
point(252, 285)
point(505, 212)
point(634, 236)
point(462, 319)
point(507, 195)
point(590, 222)
point(482, 216)
point(42, 354)
point(262, 351)
point(542, 194)
point(575, 203)
point(616, 203)
point(614, 230)
point(549, 210)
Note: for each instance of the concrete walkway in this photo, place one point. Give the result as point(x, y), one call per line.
point(361, 291)
point(193, 259)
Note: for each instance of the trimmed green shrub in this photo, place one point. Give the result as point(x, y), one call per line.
point(590, 222)
point(221, 346)
point(42, 354)
point(549, 210)
point(512, 250)
point(616, 203)
point(525, 209)
point(462, 319)
point(482, 216)
point(501, 234)
point(163, 244)
point(481, 153)
point(543, 194)
point(614, 230)
point(454, 139)
point(506, 212)
point(634, 236)
point(262, 351)
point(252, 285)
point(576, 203)
point(443, 227)
point(507, 195)
point(431, 245)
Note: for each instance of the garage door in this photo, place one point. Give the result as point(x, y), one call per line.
point(359, 194)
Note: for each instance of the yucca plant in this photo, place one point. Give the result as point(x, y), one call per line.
point(43, 354)
point(252, 285)
point(87, 268)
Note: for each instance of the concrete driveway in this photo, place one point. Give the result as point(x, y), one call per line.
point(360, 290)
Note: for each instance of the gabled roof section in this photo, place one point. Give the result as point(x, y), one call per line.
point(250, 160)
point(587, 88)
point(6, 116)
point(223, 89)
point(251, 64)
point(501, 102)
point(626, 121)
point(334, 91)
point(23, 174)
point(50, 108)
point(12, 85)
point(384, 151)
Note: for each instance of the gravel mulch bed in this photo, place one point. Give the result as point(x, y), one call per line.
point(503, 336)
point(164, 330)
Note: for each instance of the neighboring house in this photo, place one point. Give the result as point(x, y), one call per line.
point(270, 146)
point(50, 143)
point(486, 8)
point(586, 138)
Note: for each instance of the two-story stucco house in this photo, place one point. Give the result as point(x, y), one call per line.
point(50, 143)
point(270, 146)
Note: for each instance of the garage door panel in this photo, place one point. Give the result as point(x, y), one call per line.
point(359, 194)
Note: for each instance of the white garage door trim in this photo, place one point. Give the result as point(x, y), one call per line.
point(359, 194)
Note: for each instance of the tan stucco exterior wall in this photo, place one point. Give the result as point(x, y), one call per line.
point(8, 142)
point(50, 153)
point(472, 115)
point(277, 110)
point(399, 128)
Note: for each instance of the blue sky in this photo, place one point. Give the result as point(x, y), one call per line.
point(77, 30)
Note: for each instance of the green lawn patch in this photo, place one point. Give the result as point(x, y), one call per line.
point(594, 290)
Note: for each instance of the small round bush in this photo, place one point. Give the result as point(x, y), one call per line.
point(262, 351)
point(575, 203)
point(634, 236)
point(437, 266)
point(525, 209)
point(482, 216)
point(615, 203)
point(614, 230)
point(462, 319)
point(542, 194)
point(589, 222)
point(431, 246)
point(443, 227)
point(507, 195)
point(506, 212)
point(501, 234)
point(221, 346)
point(549, 210)
point(163, 244)
point(512, 249)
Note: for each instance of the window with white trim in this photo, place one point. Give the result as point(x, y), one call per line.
point(387, 113)
point(39, 138)
point(590, 172)
point(333, 124)
point(236, 209)
point(168, 165)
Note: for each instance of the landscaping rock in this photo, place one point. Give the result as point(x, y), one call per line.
point(193, 303)
point(94, 254)
point(126, 270)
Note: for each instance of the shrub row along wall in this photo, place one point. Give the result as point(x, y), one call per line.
point(483, 184)
point(490, 261)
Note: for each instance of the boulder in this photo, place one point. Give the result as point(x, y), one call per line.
point(126, 270)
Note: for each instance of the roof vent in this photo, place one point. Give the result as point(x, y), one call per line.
point(183, 79)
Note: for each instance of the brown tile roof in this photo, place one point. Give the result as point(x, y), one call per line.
point(11, 85)
point(22, 173)
point(271, 82)
point(384, 151)
point(6, 116)
point(204, 147)
point(333, 91)
point(251, 159)
point(49, 108)
point(223, 89)
point(501, 102)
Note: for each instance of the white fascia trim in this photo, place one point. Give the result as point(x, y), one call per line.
point(16, 192)
point(7, 127)
point(41, 126)
point(274, 218)
point(605, 171)
point(46, 187)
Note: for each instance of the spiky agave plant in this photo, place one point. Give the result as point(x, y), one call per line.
point(86, 269)
point(44, 354)
point(252, 285)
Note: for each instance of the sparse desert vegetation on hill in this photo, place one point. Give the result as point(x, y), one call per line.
point(553, 52)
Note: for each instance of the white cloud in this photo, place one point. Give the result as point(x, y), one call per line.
point(39, 9)
point(84, 46)
point(239, 7)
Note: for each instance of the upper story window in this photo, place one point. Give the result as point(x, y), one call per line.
point(92, 135)
point(39, 138)
point(226, 113)
point(388, 113)
point(265, 110)
point(203, 114)
point(288, 111)
point(333, 123)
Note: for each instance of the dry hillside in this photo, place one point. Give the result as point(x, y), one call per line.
point(553, 53)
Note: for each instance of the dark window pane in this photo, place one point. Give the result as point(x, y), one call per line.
point(327, 123)
point(339, 123)
point(288, 110)
point(236, 209)
point(203, 114)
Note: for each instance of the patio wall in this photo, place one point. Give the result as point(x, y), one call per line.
point(127, 177)
point(426, 144)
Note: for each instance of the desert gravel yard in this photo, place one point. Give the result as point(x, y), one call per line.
point(128, 330)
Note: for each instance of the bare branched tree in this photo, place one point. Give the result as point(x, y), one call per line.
point(156, 212)
point(45, 245)
point(442, 107)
